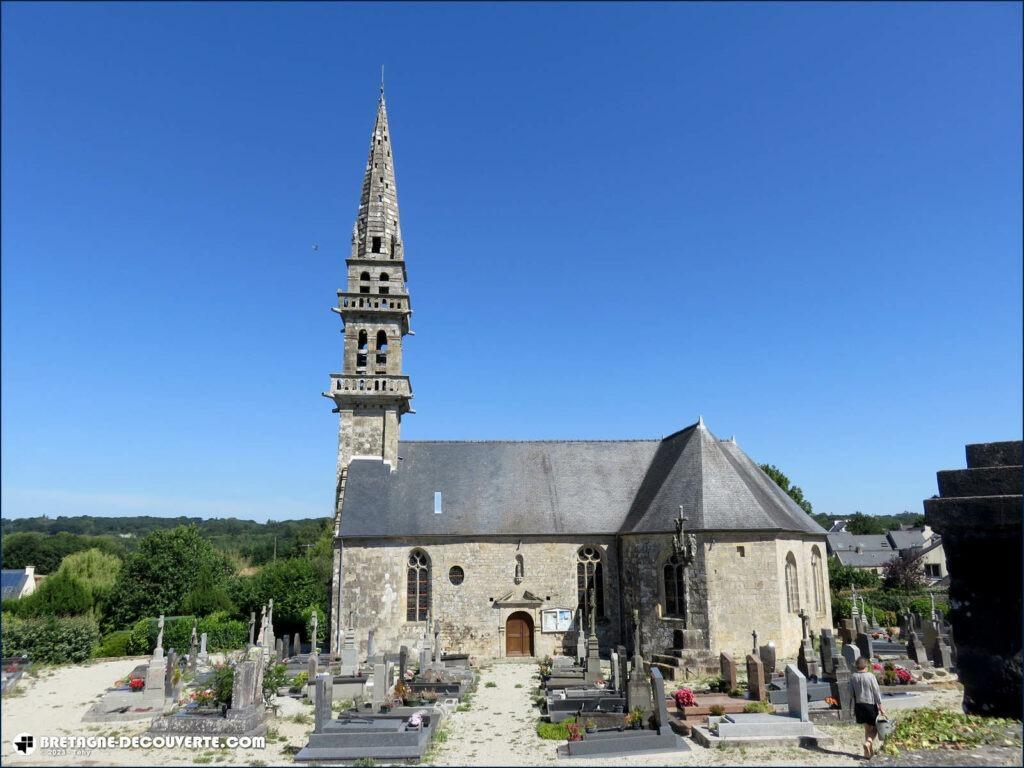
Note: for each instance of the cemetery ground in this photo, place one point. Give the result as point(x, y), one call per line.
point(497, 727)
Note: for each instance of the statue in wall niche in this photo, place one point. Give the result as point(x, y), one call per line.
point(684, 545)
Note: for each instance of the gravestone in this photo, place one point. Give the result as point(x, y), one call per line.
point(941, 654)
point(841, 689)
point(915, 648)
point(615, 670)
point(349, 653)
point(581, 644)
point(662, 724)
point(728, 670)
point(593, 673)
point(850, 655)
point(322, 702)
point(755, 678)
point(204, 657)
point(620, 651)
point(847, 630)
point(865, 646)
point(278, 650)
point(827, 649)
point(403, 663)
point(172, 663)
point(796, 693)
point(767, 654)
point(371, 646)
point(296, 644)
point(312, 670)
point(380, 685)
point(314, 633)
point(252, 628)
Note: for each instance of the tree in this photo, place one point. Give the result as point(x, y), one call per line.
point(59, 595)
point(862, 524)
point(95, 569)
point(294, 584)
point(794, 491)
point(165, 568)
point(904, 574)
point(208, 595)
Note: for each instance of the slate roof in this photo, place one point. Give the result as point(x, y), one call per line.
point(907, 539)
point(841, 542)
point(874, 558)
point(12, 582)
point(566, 487)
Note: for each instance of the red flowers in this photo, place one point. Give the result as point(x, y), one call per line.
point(903, 676)
point(136, 683)
point(684, 698)
point(876, 667)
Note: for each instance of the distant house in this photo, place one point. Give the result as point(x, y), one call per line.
point(873, 551)
point(16, 583)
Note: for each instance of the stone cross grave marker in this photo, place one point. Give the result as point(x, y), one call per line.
point(403, 662)
point(252, 627)
point(172, 664)
point(296, 644)
point(623, 662)
point(158, 652)
point(755, 678)
point(753, 635)
point(796, 694)
point(841, 689)
point(313, 634)
point(203, 655)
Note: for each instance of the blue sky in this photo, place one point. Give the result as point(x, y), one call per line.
point(801, 221)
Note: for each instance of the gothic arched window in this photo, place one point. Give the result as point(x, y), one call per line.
point(589, 581)
point(818, 579)
point(675, 588)
point(792, 585)
point(383, 287)
point(362, 341)
point(364, 282)
point(417, 597)
point(382, 341)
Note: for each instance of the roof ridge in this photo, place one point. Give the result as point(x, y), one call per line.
point(551, 440)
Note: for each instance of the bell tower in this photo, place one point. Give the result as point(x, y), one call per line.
point(371, 393)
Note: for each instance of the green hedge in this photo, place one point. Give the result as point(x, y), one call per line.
point(177, 635)
point(223, 633)
point(50, 639)
point(114, 644)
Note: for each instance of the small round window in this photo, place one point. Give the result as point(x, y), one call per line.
point(456, 575)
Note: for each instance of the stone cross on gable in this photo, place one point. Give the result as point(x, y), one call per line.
point(683, 544)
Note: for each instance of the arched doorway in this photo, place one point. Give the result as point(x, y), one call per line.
point(519, 634)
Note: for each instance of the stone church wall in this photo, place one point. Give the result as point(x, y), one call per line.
point(747, 591)
point(375, 582)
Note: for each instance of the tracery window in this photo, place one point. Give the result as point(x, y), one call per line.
point(819, 582)
point(792, 585)
point(589, 581)
point(675, 588)
point(417, 599)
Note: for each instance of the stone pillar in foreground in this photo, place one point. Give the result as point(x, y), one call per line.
point(978, 515)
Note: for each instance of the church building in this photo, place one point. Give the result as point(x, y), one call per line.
point(510, 546)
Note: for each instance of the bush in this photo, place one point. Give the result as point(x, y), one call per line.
point(114, 644)
point(177, 635)
point(759, 706)
point(207, 595)
point(222, 682)
point(59, 595)
point(553, 731)
point(50, 639)
point(223, 633)
point(717, 710)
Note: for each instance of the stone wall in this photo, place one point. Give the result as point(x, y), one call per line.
point(472, 613)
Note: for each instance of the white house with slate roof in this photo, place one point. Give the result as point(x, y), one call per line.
point(507, 544)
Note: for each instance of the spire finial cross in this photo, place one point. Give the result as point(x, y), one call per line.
point(382, 82)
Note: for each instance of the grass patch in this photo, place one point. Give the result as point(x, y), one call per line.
point(554, 731)
point(518, 685)
point(440, 735)
point(943, 729)
point(462, 708)
point(490, 684)
point(272, 733)
point(759, 706)
point(15, 692)
point(301, 719)
point(341, 705)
